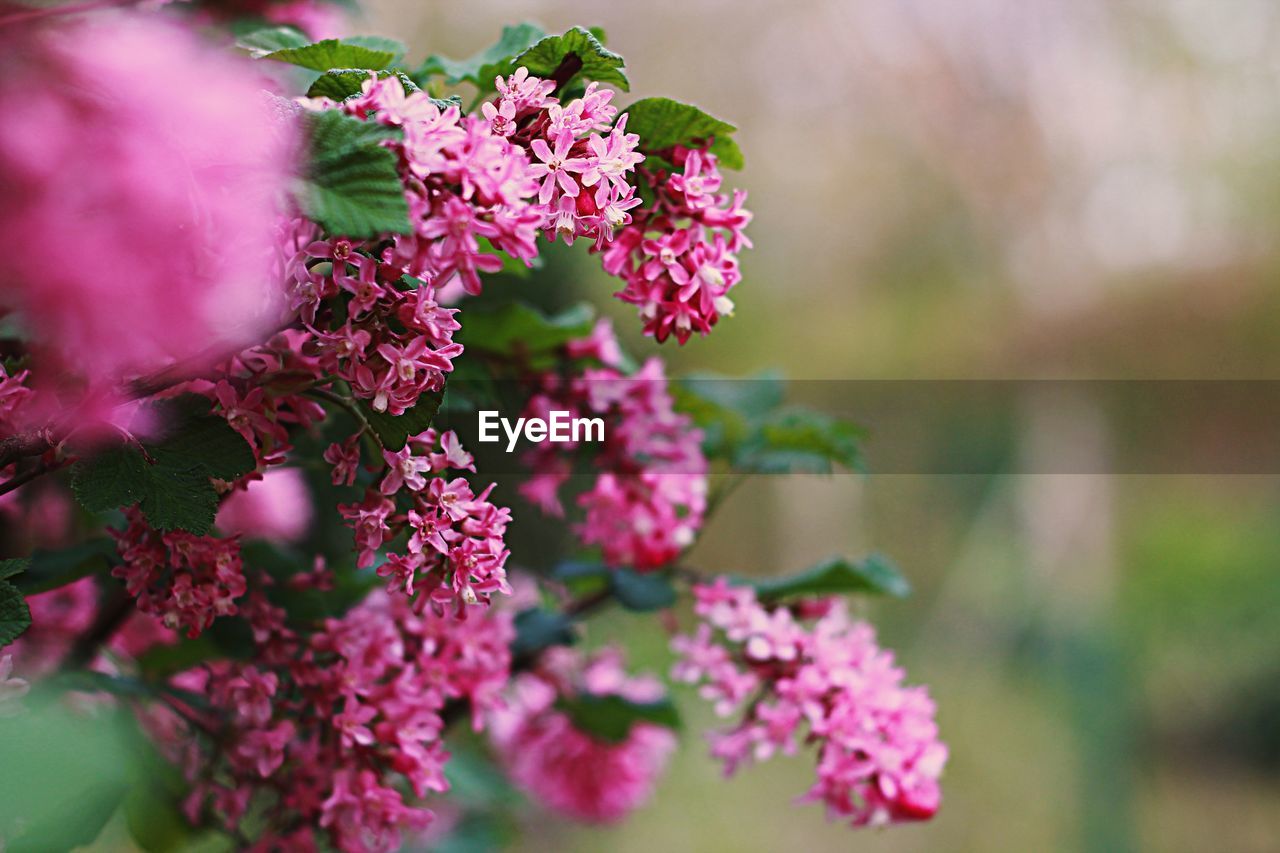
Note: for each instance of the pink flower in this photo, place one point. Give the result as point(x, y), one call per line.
point(404, 470)
point(502, 118)
point(568, 770)
point(345, 459)
point(185, 580)
point(277, 507)
point(555, 167)
point(879, 757)
point(163, 204)
point(525, 92)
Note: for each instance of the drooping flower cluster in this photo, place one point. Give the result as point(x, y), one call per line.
point(647, 504)
point(375, 307)
point(879, 757)
point(455, 554)
point(186, 581)
point(161, 205)
point(327, 727)
point(679, 257)
point(578, 774)
point(580, 157)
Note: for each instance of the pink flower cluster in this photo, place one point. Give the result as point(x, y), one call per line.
point(879, 757)
point(327, 728)
point(647, 505)
point(147, 213)
point(258, 394)
point(186, 581)
point(14, 393)
point(580, 157)
point(455, 554)
point(570, 771)
point(679, 257)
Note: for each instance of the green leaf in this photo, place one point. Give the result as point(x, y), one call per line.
point(332, 53)
point(598, 62)
point(114, 478)
point(352, 186)
point(197, 437)
point(517, 327)
point(875, 574)
point(269, 39)
point(728, 409)
point(15, 617)
point(642, 592)
point(800, 440)
point(751, 396)
point(394, 430)
point(610, 717)
point(163, 661)
point(728, 153)
point(341, 83)
point(538, 629)
point(9, 568)
point(173, 489)
point(582, 577)
point(481, 68)
point(53, 569)
point(395, 47)
point(663, 123)
point(65, 773)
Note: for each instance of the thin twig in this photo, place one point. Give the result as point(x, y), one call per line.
point(38, 471)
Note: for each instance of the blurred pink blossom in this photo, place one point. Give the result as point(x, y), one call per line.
point(277, 507)
point(142, 211)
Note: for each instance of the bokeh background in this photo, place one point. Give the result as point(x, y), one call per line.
point(991, 189)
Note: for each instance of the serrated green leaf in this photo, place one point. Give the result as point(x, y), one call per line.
point(800, 440)
point(538, 629)
point(394, 430)
point(180, 499)
point(520, 327)
point(875, 575)
point(15, 617)
point(610, 717)
point(481, 68)
point(16, 566)
point(395, 47)
point(114, 478)
point(665, 122)
point(727, 151)
point(642, 592)
point(266, 40)
point(173, 489)
point(727, 409)
point(598, 62)
point(352, 186)
point(196, 438)
point(332, 53)
point(341, 83)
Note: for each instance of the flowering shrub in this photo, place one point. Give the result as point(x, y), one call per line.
point(245, 312)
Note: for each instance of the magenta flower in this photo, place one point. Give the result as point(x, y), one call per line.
point(404, 470)
point(171, 197)
point(556, 167)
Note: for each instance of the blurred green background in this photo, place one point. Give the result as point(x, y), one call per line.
point(991, 189)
